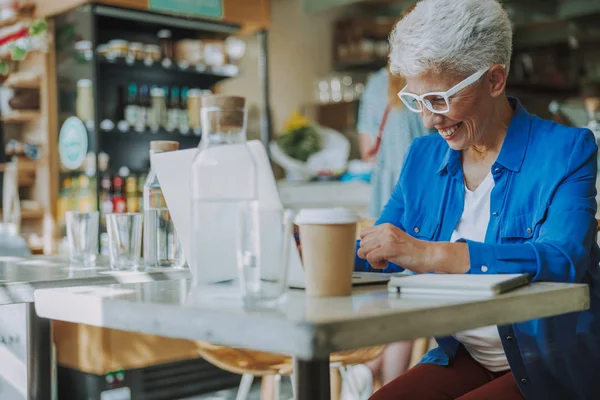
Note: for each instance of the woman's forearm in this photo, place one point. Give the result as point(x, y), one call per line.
point(450, 258)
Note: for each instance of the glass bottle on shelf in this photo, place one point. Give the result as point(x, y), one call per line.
point(193, 101)
point(158, 109)
point(184, 120)
point(144, 105)
point(161, 243)
point(118, 199)
point(106, 204)
point(85, 198)
point(221, 152)
point(85, 102)
point(166, 47)
point(131, 105)
point(173, 112)
point(140, 191)
point(131, 196)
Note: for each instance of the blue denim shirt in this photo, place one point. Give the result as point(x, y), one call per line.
point(542, 222)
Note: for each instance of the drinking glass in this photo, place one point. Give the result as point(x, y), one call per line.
point(82, 235)
point(263, 244)
point(124, 240)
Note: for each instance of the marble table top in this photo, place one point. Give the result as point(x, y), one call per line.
point(301, 326)
point(20, 276)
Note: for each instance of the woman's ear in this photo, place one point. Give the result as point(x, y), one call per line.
point(497, 80)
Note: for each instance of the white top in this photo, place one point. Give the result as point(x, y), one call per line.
point(483, 344)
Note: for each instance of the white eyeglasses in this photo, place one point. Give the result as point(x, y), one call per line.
point(437, 102)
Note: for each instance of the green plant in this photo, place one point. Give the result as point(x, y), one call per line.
point(300, 143)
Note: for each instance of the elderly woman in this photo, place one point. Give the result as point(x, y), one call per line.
point(498, 191)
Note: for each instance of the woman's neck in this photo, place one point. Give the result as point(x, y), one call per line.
point(495, 132)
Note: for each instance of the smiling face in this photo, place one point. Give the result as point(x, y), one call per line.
point(471, 113)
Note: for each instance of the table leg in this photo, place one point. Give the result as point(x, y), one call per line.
point(39, 358)
point(312, 379)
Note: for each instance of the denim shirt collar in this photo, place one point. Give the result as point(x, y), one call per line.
point(513, 149)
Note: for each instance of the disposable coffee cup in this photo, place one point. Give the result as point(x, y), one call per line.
point(328, 239)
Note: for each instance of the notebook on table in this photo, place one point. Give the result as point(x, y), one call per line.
point(457, 284)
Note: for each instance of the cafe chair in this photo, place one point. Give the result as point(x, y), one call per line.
point(272, 367)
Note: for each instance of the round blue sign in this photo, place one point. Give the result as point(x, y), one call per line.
point(72, 143)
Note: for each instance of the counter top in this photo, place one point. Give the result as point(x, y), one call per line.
point(355, 195)
point(20, 276)
point(301, 326)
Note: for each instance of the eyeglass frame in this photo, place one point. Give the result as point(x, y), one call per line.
point(445, 95)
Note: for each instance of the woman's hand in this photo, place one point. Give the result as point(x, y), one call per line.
point(387, 243)
point(384, 243)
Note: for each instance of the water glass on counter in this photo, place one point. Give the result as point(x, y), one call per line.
point(263, 245)
point(124, 240)
point(82, 235)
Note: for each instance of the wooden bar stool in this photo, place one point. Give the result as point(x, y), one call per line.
point(271, 367)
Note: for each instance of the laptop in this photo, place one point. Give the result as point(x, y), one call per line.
point(173, 168)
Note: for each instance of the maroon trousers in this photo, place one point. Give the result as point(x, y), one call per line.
point(463, 379)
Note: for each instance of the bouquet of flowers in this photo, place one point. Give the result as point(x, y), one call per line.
point(306, 150)
point(300, 139)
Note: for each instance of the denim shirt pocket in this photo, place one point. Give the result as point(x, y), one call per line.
point(422, 227)
point(521, 228)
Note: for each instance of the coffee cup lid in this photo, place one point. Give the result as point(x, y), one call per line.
point(326, 216)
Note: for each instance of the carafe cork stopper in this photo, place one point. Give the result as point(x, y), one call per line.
point(163, 146)
point(225, 113)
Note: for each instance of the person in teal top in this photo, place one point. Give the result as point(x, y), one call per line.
point(381, 114)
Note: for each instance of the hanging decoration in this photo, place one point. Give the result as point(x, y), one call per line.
point(21, 38)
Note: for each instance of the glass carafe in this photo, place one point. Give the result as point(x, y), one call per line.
point(161, 242)
point(224, 187)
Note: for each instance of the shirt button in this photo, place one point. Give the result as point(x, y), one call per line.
point(496, 170)
point(417, 230)
point(529, 231)
point(509, 337)
point(484, 268)
point(495, 213)
point(523, 380)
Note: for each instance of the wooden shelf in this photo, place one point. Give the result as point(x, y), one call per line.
point(29, 166)
point(20, 117)
point(29, 214)
point(22, 80)
point(32, 214)
point(217, 73)
point(360, 65)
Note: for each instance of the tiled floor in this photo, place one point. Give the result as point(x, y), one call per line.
point(286, 393)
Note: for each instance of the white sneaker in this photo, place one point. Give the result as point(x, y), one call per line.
point(361, 381)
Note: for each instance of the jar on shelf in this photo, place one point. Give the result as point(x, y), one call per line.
point(157, 118)
point(85, 101)
point(189, 52)
point(136, 52)
point(103, 50)
point(152, 54)
point(118, 48)
point(84, 50)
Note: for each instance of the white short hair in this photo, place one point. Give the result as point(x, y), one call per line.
point(458, 36)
